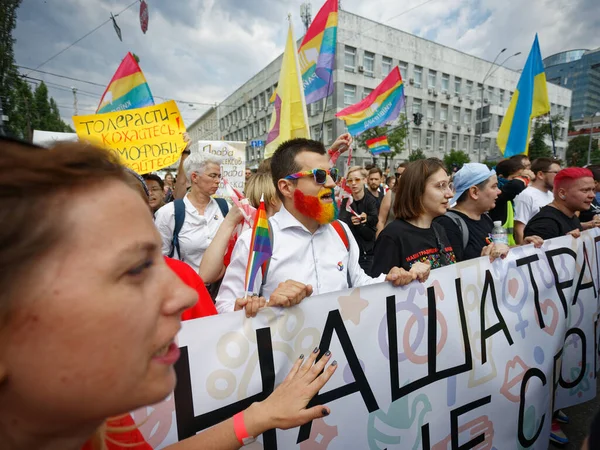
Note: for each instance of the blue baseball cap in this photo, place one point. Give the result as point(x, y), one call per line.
point(471, 174)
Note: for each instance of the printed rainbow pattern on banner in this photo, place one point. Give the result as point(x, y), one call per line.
point(127, 89)
point(383, 105)
point(260, 246)
point(378, 145)
point(316, 54)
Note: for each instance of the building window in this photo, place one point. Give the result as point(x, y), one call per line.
point(468, 116)
point(431, 79)
point(429, 141)
point(349, 58)
point(445, 82)
point(501, 98)
point(329, 132)
point(442, 143)
point(417, 105)
point(465, 145)
point(386, 66)
point(366, 92)
point(457, 85)
point(469, 89)
point(416, 139)
point(454, 143)
point(369, 63)
point(444, 113)
point(418, 73)
point(490, 94)
point(403, 69)
point(349, 94)
point(456, 114)
point(430, 110)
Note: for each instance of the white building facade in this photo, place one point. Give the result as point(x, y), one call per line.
point(441, 83)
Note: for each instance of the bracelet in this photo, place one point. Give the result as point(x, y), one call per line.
point(239, 428)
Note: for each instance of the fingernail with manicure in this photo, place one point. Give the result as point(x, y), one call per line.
point(325, 412)
point(334, 363)
point(302, 356)
point(327, 353)
point(316, 350)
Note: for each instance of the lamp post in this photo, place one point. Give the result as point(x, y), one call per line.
point(591, 134)
point(485, 78)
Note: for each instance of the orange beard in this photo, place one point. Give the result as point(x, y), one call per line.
point(312, 207)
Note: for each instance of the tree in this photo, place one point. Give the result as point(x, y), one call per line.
point(577, 151)
point(8, 21)
point(457, 157)
point(542, 129)
point(416, 155)
point(396, 138)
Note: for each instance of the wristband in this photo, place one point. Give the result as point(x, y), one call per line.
point(239, 428)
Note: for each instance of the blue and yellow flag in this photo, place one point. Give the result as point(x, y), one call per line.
point(529, 100)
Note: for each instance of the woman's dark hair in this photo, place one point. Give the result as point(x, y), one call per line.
point(36, 187)
point(408, 203)
point(283, 162)
point(509, 167)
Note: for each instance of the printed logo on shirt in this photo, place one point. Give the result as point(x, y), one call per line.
point(216, 217)
point(433, 257)
point(340, 266)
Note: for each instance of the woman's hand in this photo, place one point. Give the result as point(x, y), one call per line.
point(251, 304)
point(535, 240)
point(495, 251)
point(286, 406)
point(421, 271)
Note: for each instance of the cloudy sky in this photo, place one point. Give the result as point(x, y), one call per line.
point(199, 51)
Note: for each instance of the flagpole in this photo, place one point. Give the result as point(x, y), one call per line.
point(325, 105)
point(552, 136)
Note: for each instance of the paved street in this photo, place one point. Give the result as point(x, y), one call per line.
point(580, 417)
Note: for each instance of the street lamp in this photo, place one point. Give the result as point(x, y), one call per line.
point(591, 134)
point(488, 75)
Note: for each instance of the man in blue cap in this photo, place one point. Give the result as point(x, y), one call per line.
point(468, 224)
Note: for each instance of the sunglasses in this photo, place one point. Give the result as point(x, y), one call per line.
point(320, 175)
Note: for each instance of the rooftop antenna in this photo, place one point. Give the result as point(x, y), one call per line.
point(306, 14)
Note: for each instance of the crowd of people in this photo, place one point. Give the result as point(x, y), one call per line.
point(143, 253)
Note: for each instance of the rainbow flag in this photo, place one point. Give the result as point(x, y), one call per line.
point(378, 145)
point(381, 106)
point(127, 89)
point(260, 246)
point(316, 54)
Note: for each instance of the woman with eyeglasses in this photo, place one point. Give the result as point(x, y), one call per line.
point(202, 214)
point(360, 215)
point(412, 241)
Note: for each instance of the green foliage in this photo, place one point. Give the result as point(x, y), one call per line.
point(416, 155)
point(457, 157)
point(537, 146)
point(577, 151)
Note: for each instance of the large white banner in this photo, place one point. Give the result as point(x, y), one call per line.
point(477, 357)
point(233, 155)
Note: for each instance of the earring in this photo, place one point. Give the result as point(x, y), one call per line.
point(562, 197)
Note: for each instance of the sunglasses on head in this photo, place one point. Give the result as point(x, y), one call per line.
point(320, 175)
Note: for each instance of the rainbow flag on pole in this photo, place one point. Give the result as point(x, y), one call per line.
point(127, 89)
point(316, 54)
point(378, 145)
point(260, 246)
point(381, 106)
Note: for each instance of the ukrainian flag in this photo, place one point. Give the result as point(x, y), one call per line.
point(529, 100)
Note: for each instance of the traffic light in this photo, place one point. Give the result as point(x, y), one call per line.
point(417, 118)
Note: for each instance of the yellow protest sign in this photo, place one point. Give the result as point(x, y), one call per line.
point(145, 139)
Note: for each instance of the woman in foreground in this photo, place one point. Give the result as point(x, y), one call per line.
point(89, 310)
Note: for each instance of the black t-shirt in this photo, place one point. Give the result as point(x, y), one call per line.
point(479, 230)
point(550, 223)
point(401, 244)
point(378, 199)
point(364, 233)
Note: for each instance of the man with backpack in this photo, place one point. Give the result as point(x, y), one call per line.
point(312, 251)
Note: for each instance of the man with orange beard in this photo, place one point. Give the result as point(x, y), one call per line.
point(312, 251)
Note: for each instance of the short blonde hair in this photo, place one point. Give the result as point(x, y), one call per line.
point(362, 170)
point(259, 184)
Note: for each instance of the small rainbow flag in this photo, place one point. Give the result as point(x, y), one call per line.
point(260, 246)
point(316, 54)
point(380, 106)
point(378, 145)
point(127, 89)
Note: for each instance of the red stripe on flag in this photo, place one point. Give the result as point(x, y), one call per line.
point(320, 22)
point(375, 140)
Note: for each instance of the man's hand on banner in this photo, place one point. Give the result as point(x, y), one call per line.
point(420, 271)
point(286, 407)
point(290, 293)
point(399, 277)
point(495, 251)
point(535, 240)
point(575, 233)
point(251, 304)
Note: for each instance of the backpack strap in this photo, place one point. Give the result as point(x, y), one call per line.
point(462, 226)
point(179, 206)
point(341, 231)
point(267, 263)
point(223, 206)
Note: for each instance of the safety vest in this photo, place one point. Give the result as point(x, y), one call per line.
point(510, 223)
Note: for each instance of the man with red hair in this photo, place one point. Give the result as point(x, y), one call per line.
point(574, 190)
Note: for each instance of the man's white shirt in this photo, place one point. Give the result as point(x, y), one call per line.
point(320, 259)
point(529, 202)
